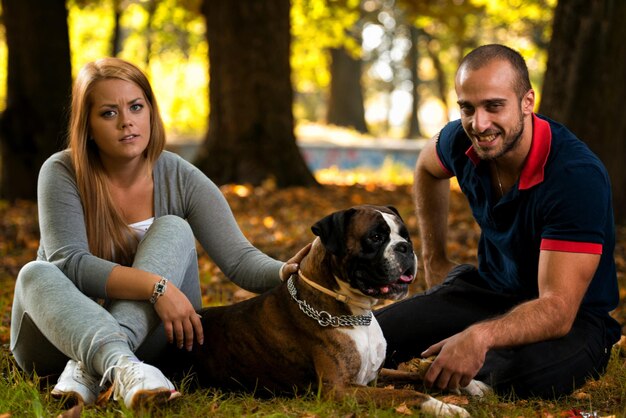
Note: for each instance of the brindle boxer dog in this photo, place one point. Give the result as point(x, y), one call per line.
point(317, 328)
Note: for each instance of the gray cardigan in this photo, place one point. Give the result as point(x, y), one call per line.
point(179, 189)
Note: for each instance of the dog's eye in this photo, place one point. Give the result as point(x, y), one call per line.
point(376, 237)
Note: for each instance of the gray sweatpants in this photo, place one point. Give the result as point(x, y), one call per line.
point(52, 320)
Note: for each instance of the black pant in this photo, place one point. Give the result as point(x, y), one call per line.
point(546, 369)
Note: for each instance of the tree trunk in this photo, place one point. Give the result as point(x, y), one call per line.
point(442, 85)
point(250, 137)
point(345, 102)
point(38, 89)
point(151, 7)
point(584, 85)
point(116, 41)
point(414, 130)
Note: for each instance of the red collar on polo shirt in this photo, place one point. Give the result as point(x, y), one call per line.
point(533, 170)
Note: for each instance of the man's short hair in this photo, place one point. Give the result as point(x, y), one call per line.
point(484, 54)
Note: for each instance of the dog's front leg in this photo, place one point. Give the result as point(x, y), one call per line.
point(387, 398)
point(335, 377)
point(410, 372)
point(414, 370)
point(398, 377)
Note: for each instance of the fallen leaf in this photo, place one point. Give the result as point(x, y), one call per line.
point(455, 399)
point(581, 395)
point(74, 412)
point(403, 409)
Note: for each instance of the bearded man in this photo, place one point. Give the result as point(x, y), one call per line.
point(532, 318)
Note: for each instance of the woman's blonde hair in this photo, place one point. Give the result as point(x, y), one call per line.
point(108, 235)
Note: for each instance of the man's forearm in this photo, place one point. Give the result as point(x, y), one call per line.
point(533, 321)
point(431, 198)
point(432, 205)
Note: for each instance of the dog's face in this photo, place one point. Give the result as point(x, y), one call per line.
point(371, 250)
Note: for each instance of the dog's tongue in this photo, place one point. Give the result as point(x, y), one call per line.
point(406, 279)
point(384, 289)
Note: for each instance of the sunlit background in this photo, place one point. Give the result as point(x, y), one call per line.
point(166, 38)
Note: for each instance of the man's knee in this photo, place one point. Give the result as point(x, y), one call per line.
point(538, 373)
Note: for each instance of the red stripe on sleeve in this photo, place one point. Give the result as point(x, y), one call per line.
point(443, 167)
point(571, 246)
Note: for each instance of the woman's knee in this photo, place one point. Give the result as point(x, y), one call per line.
point(174, 228)
point(168, 249)
point(34, 273)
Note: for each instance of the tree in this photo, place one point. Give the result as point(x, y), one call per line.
point(345, 100)
point(319, 27)
point(584, 82)
point(38, 88)
point(414, 130)
point(250, 136)
point(346, 105)
point(117, 39)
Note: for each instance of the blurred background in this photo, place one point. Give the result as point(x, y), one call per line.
point(277, 90)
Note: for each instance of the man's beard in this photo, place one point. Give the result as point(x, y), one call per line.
point(510, 142)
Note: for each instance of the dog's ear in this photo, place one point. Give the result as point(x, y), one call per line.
point(332, 229)
point(394, 210)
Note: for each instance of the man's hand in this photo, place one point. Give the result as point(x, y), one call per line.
point(459, 358)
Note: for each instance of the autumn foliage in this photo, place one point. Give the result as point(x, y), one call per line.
point(277, 221)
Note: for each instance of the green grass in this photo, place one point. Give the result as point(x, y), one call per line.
point(28, 396)
point(291, 212)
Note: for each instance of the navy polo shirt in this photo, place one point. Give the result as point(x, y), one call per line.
point(561, 202)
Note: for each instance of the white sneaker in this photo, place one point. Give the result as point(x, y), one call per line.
point(139, 384)
point(76, 384)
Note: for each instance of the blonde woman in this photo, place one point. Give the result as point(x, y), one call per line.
point(116, 275)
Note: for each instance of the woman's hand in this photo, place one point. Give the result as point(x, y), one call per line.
point(293, 264)
point(180, 319)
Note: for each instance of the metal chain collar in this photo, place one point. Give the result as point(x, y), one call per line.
point(324, 318)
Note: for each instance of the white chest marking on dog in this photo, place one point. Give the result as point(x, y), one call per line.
point(371, 346)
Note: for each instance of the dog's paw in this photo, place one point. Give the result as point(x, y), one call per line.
point(477, 388)
point(441, 409)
